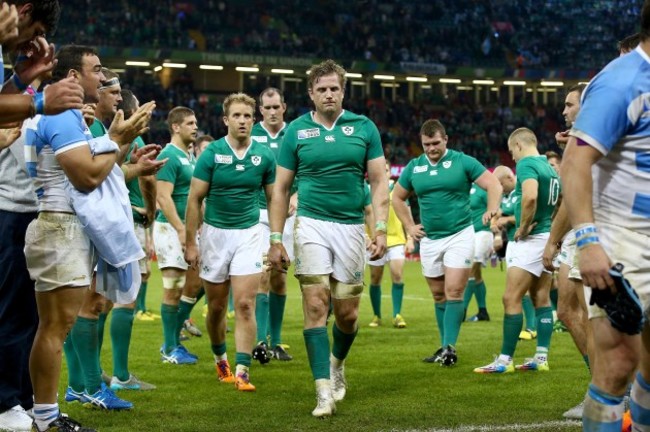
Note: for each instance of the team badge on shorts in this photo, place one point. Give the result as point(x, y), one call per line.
point(348, 130)
point(256, 160)
point(446, 164)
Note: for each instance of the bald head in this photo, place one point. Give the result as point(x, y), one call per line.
point(506, 177)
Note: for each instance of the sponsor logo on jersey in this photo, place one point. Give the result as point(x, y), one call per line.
point(420, 168)
point(330, 138)
point(239, 167)
point(184, 161)
point(274, 145)
point(223, 159)
point(308, 133)
point(348, 130)
point(433, 172)
point(514, 199)
point(256, 160)
point(472, 190)
point(446, 164)
point(260, 139)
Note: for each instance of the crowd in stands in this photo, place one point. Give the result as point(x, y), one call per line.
point(499, 33)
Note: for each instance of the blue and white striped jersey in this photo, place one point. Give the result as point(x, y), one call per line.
point(614, 119)
point(46, 137)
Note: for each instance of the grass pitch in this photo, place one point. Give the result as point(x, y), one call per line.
point(390, 388)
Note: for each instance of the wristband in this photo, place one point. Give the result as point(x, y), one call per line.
point(21, 86)
point(275, 238)
point(585, 231)
point(380, 226)
point(584, 242)
point(39, 103)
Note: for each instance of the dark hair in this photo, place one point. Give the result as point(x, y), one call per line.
point(628, 43)
point(129, 103)
point(270, 91)
point(177, 116)
point(47, 12)
point(70, 57)
point(202, 138)
point(430, 127)
point(577, 88)
point(645, 20)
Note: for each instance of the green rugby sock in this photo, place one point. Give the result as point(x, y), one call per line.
point(101, 324)
point(511, 329)
point(219, 349)
point(480, 292)
point(169, 314)
point(121, 329)
point(262, 316)
point(141, 301)
point(375, 299)
point(243, 359)
point(397, 293)
point(231, 302)
point(529, 312)
point(470, 289)
point(554, 295)
point(318, 351)
point(75, 373)
point(185, 306)
point(342, 342)
point(440, 319)
point(277, 303)
point(454, 312)
point(544, 326)
point(84, 337)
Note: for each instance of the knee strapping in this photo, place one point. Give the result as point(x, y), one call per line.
point(312, 281)
point(173, 282)
point(342, 291)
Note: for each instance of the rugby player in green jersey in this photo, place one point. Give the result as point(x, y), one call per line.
point(272, 293)
point(483, 247)
point(441, 178)
point(505, 219)
point(230, 173)
point(173, 187)
point(328, 151)
point(537, 192)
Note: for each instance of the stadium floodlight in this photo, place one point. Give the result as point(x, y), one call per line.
point(425, 86)
point(552, 83)
point(384, 77)
point(483, 81)
point(416, 79)
point(358, 83)
point(449, 80)
point(247, 69)
point(464, 88)
point(390, 85)
point(529, 90)
point(514, 83)
point(175, 65)
point(157, 69)
point(494, 89)
point(353, 75)
point(282, 71)
point(210, 67)
point(137, 63)
point(118, 70)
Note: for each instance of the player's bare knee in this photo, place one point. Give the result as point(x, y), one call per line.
point(245, 309)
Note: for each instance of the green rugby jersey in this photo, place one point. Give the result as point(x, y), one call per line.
point(178, 171)
point(508, 209)
point(443, 191)
point(548, 190)
point(262, 136)
point(478, 204)
point(135, 195)
point(234, 183)
point(97, 128)
point(330, 165)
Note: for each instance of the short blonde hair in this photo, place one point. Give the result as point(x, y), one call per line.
point(524, 136)
point(237, 98)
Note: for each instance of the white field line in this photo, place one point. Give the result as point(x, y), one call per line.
point(557, 425)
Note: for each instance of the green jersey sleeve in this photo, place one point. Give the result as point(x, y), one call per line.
point(375, 149)
point(169, 171)
point(405, 178)
point(473, 167)
point(205, 166)
point(288, 157)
